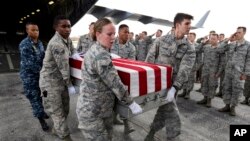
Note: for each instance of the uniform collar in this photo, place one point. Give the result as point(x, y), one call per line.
point(117, 42)
point(102, 47)
point(30, 39)
point(242, 42)
point(64, 40)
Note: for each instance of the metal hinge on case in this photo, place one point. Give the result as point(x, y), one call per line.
point(146, 100)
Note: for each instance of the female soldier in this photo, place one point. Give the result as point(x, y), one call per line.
point(100, 84)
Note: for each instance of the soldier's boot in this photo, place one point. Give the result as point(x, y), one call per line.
point(128, 127)
point(44, 125)
point(187, 96)
point(150, 136)
point(183, 93)
point(225, 109)
point(116, 120)
point(219, 94)
point(209, 100)
point(245, 101)
point(203, 101)
point(232, 111)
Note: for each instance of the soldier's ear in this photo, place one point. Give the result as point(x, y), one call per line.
point(180, 24)
point(97, 34)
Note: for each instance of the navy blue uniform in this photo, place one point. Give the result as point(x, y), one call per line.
point(32, 55)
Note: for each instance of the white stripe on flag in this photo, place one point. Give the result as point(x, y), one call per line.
point(134, 80)
point(150, 76)
point(76, 73)
point(163, 77)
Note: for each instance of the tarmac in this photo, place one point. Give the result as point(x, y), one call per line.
point(199, 123)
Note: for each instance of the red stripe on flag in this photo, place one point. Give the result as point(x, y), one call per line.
point(169, 69)
point(75, 63)
point(125, 78)
point(157, 70)
point(142, 76)
point(169, 77)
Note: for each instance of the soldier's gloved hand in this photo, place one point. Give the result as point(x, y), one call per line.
point(135, 108)
point(171, 94)
point(76, 56)
point(71, 90)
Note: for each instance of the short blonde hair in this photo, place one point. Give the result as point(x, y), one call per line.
point(98, 26)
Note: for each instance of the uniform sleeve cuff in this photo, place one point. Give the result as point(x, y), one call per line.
point(177, 85)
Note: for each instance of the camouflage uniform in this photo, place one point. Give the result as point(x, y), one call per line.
point(151, 43)
point(126, 51)
point(199, 64)
point(188, 86)
point(32, 55)
point(223, 61)
point(142, 48)
point(181, 55)
point(133, 42)
point(210, 68)
point(84, 43)
point(54, 78)
point(238, 56)
point(100, 85)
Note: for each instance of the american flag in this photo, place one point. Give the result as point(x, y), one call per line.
point(140, 77)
